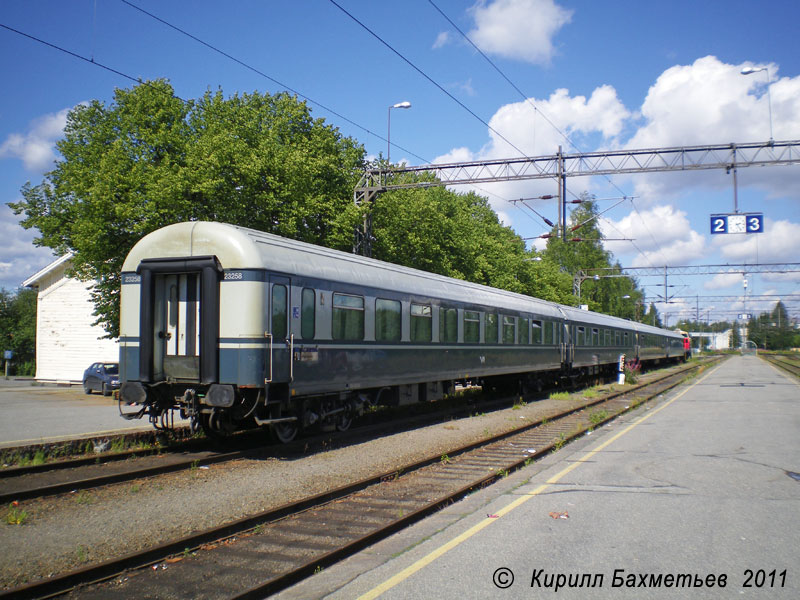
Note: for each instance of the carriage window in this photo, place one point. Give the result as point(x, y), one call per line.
point(308, 314)
point(509, 324)
point(581, 338)
point(617, 338)
point(348, 317)
point(607, 335)
point(523, 335)
point(548, 332)
point(595, 336)
point(536, 331)
point(279, 329)
point(472, 326)
point(626, 338)
point(491, 329)
point(448, 325)
point(387, 320)
point(421, 323)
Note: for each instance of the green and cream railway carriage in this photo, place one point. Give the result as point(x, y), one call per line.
point(236, 328)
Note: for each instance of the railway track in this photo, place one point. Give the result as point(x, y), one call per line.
point(788, 364)
point(272, 550)
point(85, 473)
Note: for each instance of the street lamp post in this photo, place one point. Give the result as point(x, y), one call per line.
point(750, 71)
point(389, 128)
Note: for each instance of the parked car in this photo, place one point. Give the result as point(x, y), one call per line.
point(101, 376)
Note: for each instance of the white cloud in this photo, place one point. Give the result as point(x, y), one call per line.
point(724, 280)
point(19, 258)
point(711, 102)
point(518, 29)
point(36, 148)
point(441, 40)
point(662, 233)
point(780, 242)
point(523, 126)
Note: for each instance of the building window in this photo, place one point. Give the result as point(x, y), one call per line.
point(448, 325)
point(421, 323)
point(348, 317)
point(490, 335)
point(388, 320)
point(472, 326)
point(308, 314)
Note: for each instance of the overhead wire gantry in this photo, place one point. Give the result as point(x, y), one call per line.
point(562, 165)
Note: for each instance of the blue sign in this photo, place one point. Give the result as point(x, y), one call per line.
point(737, 223)
point(755, 223)
point(8, 354)
point(719, 224)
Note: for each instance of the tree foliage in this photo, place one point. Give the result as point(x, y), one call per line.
point(18, 329)
point(773, 330)
point(459, 235)
point(612, 293)
point(150, 159)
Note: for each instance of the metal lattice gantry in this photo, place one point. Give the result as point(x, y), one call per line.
point(561, 166)
point(612, 162)
point(665, 272)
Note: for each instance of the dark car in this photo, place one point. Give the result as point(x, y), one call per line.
point(101, 376)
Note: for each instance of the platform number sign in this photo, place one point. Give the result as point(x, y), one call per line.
point(737, 223)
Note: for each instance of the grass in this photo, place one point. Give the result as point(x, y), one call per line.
point(84, 497)
point(559, 396)
point(518, 404)
point(82, 554)
point(16, 515)
point(598, 416)
point(560, 441)
point(445, 460)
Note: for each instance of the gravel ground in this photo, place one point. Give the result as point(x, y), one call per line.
point(73, 530)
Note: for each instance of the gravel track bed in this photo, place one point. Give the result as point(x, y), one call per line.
point(73, 530)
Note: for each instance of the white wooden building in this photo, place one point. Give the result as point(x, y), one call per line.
point(66, 341)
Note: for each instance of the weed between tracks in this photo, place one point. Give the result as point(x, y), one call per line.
point(16, 515)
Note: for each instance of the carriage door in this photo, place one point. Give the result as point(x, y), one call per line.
point(567, 344)
point(280, 340)
point(177, 322)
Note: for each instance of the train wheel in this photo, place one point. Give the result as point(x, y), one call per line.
point(284, 432)
point(216, 425)
point(343, 422)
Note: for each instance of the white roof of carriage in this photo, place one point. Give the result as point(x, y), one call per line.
point(242, 248)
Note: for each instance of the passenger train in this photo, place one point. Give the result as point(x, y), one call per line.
point(234, 328)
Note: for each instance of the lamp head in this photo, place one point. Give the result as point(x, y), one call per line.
point(405, 104)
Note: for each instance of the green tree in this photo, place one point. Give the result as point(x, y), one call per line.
point(735, 339)
point(458, 235)
point(150, 159)
point(18, 329)
point(613, 293)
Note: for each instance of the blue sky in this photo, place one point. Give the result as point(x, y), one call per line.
point(620, 74)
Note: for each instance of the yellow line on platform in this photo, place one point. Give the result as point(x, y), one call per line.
point(429, 558)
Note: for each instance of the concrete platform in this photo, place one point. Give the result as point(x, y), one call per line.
point(35, 413)
point(701, 485)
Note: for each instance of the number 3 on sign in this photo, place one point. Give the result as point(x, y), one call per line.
point(755, 224)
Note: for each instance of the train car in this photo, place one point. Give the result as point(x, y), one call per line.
point(236, 328)
point(687, 344)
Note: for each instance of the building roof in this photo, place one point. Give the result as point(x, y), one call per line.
point(33, 280)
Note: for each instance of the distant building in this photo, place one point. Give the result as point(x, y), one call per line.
point(66, 340)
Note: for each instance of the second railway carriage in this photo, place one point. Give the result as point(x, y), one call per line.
point(234, 328)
